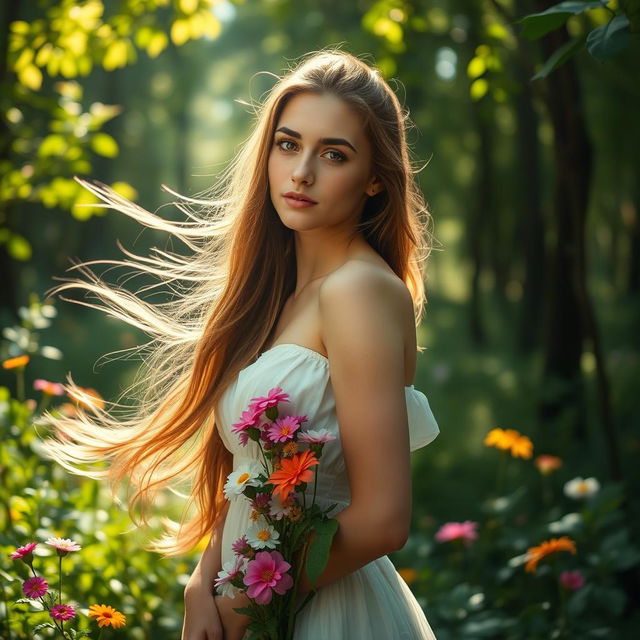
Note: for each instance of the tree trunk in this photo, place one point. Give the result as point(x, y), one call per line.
point(571, 319)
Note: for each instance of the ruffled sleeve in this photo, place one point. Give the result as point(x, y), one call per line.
point(423, 427)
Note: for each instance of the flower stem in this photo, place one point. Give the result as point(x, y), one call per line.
point(60, 581)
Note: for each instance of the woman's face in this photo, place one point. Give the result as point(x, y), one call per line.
point(320, 150)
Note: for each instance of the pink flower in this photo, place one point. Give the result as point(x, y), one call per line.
point(261, 501)
point(231, 570)
point(265, 573)
point(241, 547)
point(572, 580)
point(319, 436)
point(24, 553)
point(35, 587)
point(52, 388)
point(63, 545)
point(466, 531)
point(62, 612)
point(272, 398)
point(284, 428)
point(248, 419)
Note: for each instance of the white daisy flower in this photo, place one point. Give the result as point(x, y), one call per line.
point(261, 535)
point(278, 508)
point(245, 475)
point(581, 488)
point(316, 436)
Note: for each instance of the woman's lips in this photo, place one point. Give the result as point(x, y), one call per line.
point(298, 204)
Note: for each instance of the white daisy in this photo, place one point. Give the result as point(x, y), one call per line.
point(245, 475)
point(261, 535)
point(316, 436)
point(581, 488)
point(278, 509)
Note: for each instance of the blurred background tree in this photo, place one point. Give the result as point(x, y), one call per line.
point(526, 142)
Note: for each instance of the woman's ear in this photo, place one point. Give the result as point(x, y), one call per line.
point(375, 186)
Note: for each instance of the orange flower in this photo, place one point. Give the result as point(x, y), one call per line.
point(509, 439)
point(289, 449)
point(107, 616)
point(14, 363)
point(408, 574)
point(293, 471)
point(546, 463)
point(535, 554)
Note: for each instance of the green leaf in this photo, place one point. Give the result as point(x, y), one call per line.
point(609, 39)
point(104, 145)
point(19, 247)
point(560, 56)
point(535, 25)
point(318, 552)
point(44, 625)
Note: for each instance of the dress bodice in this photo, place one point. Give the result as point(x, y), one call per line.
point(304, 374)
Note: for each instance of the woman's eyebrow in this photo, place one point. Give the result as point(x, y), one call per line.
point(335, 141)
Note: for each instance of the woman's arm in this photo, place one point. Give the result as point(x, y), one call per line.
point(364, 318)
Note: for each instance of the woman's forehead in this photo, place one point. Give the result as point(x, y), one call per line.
point(316, 116)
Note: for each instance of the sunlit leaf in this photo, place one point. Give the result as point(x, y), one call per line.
point(44, 54)
point(19, 247)
point(115, 56)
point(68, 66)
point(125, 190)
point(188, 6)
point(19, 26)
point(24, 59)
point(157, 44)
point(476, 67)
point(81, 209)
point(180, 31)
point(31, 77)
point(104, 145)
point(497, 30)
point(478, 89)
point(52, 145)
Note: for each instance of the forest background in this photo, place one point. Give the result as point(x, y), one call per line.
point(527, 142)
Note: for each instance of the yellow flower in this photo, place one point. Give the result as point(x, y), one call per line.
point(289, 449)
point(535, 554)
point(107, 616)
point(14, 363)
point(510, 440)
point(295, 513)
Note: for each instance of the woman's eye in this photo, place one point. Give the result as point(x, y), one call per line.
point(337, 155)
point(281, 142)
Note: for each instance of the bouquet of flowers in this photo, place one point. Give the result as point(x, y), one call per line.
point(289, 530)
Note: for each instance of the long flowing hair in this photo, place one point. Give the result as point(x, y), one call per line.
point(226, 296)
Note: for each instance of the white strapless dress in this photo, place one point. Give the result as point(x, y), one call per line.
point(374, 602)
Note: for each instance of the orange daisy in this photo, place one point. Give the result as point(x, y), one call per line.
point(535, 554)
point(293, 471)
point(107, 616)
point(14, 363)
point(509, 439)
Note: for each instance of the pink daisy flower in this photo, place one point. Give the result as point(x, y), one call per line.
point(249, 419)
point(24, 553)
point(283, 428)
point(241, 547)
point(62, 612)
point(63, 545)
point(266, 573)
point(319, 436)
point(35, 587)
point(273, 397)
point(572, 580)
point(465, 531)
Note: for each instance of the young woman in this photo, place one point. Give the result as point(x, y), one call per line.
point(307, 273)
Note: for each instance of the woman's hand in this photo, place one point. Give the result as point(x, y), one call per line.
point(233, 623)
point(201, 618)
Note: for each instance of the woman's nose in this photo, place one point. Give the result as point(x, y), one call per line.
point(303, 171)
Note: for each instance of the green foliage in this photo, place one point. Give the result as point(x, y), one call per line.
point(38, 499)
